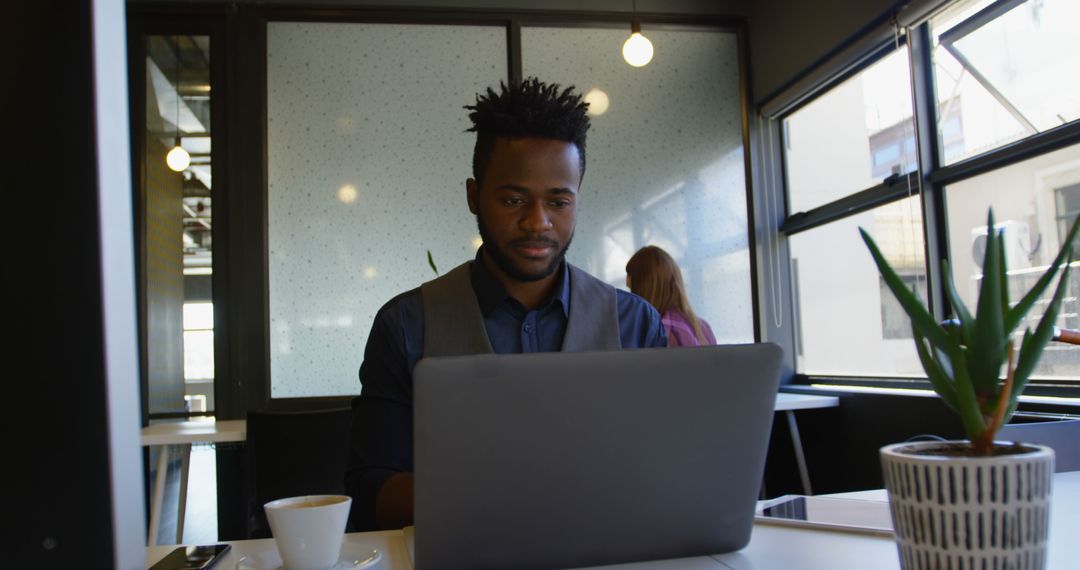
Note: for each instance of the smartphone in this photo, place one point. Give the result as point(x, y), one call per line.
point(193, 557)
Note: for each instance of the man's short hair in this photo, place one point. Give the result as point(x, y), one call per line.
point(529, 109)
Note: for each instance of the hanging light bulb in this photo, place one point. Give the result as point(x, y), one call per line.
point(178, 159)
point(637, 50)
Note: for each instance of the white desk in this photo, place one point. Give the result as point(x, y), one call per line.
point(788, 403)
point(774, 546)
point(180, 435)
point(771, 547)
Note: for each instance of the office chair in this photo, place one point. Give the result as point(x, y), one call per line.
point(1061, 435)
point(292, 454)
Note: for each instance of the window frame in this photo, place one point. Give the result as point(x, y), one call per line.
point(928, 182)
point(144, 21)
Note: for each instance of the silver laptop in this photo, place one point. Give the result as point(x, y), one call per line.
point(558, 460)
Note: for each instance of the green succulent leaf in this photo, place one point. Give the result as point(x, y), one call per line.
point(1014, 396)
point(1004, 287)
point(987, 350)
point(431, 262)
point(967, 323)
point(1012, 320)
point(970, 414)
point(920, 317)
point(940, 378)
point(1033, 344)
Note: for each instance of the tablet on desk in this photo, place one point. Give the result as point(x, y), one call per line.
point(851, 515)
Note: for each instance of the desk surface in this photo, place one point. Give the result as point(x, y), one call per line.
point(787, 402)
point(771, 547)
point(206, 430)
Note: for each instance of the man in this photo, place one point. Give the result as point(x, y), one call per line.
point(518, 295)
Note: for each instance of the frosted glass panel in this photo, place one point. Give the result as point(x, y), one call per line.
point(665, 160)
point(367, 162)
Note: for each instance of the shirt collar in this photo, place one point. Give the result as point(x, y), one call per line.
point(489, 292)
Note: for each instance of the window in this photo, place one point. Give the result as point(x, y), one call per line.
point(1004, 106)
point(175, 238)
point(1067, 207)
point(198, 342)
point(851, 137)
point(847, 322)
point(1007, 68)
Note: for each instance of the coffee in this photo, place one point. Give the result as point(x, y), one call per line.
point(312, 503)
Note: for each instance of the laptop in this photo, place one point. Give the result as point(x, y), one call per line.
point(559, 460)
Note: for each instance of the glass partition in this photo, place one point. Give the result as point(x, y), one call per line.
point(367, 162)
point(665, 159)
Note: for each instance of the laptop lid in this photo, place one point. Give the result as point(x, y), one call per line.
point(555, 460)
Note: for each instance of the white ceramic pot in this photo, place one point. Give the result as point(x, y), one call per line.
point(965, 512)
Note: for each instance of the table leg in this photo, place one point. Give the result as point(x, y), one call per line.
point(800, 459)
point(181, 507)
point(159, 495)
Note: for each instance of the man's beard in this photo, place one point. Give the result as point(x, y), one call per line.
point(503, 260)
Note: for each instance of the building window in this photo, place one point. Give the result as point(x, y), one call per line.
point(1002, 85)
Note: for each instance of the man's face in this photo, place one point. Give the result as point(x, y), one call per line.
point(527, 207)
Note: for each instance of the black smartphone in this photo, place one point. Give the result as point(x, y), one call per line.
point(193, 557)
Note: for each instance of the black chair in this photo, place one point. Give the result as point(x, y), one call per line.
point(1061, 435)
point(292, 454)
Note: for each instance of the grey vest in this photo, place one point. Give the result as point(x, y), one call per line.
point(453, 324)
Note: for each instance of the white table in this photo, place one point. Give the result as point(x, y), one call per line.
point(774, 546)
point(771, 547)
point(180, 436)
point(788, 403)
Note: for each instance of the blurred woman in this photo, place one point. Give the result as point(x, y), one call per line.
point(653, 274)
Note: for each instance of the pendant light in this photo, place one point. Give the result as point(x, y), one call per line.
point(637, 50)
point(178, 159)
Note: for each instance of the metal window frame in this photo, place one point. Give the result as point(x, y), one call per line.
point(931, 178)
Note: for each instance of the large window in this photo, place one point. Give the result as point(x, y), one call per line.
point(997, 104)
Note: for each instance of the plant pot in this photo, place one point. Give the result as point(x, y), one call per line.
point(951, 510)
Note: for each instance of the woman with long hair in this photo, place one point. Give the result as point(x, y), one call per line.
point(654, 275)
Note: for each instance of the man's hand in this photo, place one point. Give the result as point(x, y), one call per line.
point(394, 505)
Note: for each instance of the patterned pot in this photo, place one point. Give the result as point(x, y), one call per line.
point(964, 512)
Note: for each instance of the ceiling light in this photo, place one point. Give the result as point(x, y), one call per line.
point(178, 159)
point(637, 50)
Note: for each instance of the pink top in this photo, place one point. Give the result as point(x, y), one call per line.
point(681, 333)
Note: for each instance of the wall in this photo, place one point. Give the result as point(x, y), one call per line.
point(164, 282)
point(788, 36)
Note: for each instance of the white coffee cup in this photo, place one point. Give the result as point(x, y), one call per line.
point(309, 530)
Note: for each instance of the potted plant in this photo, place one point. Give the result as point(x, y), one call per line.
point(975, 503)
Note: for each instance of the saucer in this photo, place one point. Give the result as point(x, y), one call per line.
point(353, 557)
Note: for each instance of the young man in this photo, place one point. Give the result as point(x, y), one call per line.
point(517, 295)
